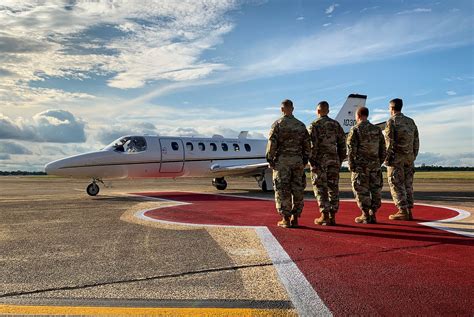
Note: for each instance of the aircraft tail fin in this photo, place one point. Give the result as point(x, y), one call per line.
point(346, 116)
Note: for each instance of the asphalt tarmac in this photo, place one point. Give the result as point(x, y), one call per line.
point(60, 248)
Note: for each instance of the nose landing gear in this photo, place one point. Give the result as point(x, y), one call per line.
point(219, 183)
point(93, 189)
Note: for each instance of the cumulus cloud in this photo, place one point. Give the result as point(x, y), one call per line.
point(145, 41)
point(7, 147)
point(58, 126)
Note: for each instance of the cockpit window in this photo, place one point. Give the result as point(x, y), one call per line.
point(128, 144)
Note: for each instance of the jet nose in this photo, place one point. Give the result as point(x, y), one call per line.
point(52, 168)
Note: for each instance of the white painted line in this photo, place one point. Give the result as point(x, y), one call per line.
point(303, 296)
point(301, 293)
point(438, 224)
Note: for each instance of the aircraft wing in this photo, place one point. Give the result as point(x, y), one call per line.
point(220, 170)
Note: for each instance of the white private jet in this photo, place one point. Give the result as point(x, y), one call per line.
point(171, 157)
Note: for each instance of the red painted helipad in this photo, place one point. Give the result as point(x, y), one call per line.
point(392, 268)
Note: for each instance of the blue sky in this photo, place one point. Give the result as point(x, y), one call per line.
point(75, 75)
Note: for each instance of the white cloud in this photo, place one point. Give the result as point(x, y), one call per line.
point(326, 24)
point(451, 93)
point(299, 18)
point(372, 38)
point(331, 8)
point(378, 115)
point(445, 126)
point(145, 41)
point(48, 126)
point(417, 10)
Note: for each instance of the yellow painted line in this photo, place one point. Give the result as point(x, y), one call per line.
point(143, 311)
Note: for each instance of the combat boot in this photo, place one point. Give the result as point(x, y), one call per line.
point(323, 220)
point(332, 218)
point(284, 222)
point(363, 218)
point(372, 218)
point(294, 221)
point(402, 214)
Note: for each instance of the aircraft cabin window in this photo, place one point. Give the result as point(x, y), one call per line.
point(213, 147)
point(129, 144)
point(174, 146)
point(201, 146)
point(236, 147)
point(225, 148)
point(247, 147)
point(189, 146)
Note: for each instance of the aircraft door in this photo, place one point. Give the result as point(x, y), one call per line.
point(172, 155)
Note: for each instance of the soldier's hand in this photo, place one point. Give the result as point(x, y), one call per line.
point(271, 164)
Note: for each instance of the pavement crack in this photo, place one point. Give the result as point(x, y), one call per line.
point(133, 280)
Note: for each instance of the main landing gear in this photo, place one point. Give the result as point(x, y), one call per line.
point(93, 189)
point(219, 183)
point(265, 181)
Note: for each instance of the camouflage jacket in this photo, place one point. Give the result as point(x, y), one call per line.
point(365, 146)
point(402, 141)
point(288, 137)
point(327, 142)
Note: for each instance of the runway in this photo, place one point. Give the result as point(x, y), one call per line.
point(61, 248)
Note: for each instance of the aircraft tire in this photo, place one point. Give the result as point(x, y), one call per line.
point(219, 183)
point(93, 189)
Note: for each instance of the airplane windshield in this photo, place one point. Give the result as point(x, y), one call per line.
point(129, 144)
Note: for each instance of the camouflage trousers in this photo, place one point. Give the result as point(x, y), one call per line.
point(367, 187)
point(289, 182)
point(326, 187)
point(400, 179)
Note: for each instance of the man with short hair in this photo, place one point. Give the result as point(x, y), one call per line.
point(287, 153)
point(328, 150)
point(365, 154)
point(402, 142)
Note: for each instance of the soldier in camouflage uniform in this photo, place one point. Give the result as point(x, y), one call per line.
point(328, 150)
point(401, 138)
point(287, 153)
point(365, 154)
